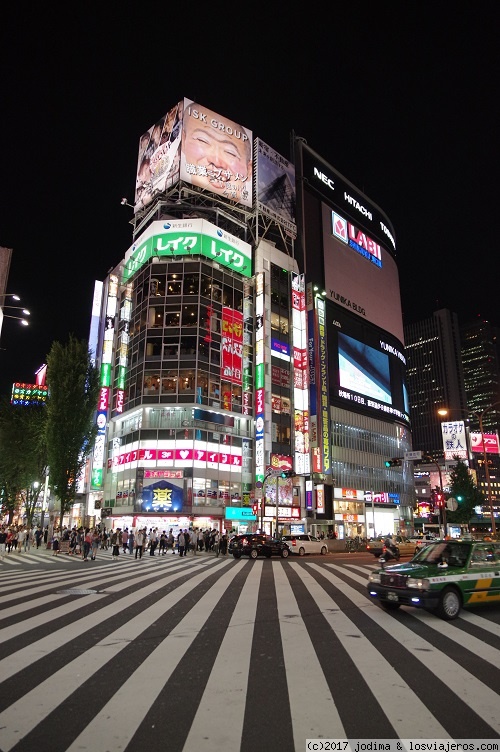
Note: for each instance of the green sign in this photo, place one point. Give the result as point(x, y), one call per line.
point(171, 244)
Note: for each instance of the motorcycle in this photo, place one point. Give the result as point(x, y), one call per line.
point(389, 553)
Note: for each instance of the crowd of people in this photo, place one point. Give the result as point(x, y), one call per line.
point(85, 542)
point(20, 538)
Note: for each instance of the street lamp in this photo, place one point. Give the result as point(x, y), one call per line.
point(443, 411)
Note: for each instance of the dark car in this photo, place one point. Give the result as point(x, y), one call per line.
point(257, 544)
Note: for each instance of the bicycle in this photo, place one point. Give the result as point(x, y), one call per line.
point(352, 545)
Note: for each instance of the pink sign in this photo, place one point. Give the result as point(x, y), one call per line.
point(490, 443)
point(232, 345)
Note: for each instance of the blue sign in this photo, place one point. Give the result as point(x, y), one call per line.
point(240, 513)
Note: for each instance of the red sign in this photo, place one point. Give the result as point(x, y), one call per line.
point(232, 345)
point(103, 401)
point(490, 443)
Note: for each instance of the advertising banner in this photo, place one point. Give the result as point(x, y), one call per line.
point(276, 196)
point(158, 162)
point(188, 238)
point(216, 154)
point(490, 445)
point(454, 439)
point(232, 345)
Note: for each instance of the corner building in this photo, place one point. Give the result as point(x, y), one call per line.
point(220, 364)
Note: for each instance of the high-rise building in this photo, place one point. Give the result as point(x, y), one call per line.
point(435, 378)
point(237, 341)
point(481, 369)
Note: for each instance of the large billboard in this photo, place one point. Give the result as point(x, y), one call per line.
point(276, 187)
point(216, 154)
point(188, 237)
point(360, 274)
point(366, 367)
point(159, 157)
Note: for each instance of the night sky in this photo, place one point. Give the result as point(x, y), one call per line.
point(401, 98)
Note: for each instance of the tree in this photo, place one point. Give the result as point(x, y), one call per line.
point(73, 390)
point(23, 457)
point(464, 490)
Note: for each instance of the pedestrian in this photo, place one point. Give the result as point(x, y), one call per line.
point(171, 541)
point(139, 542)
point(96, 537)
point(55, 542)
point(21, 537)
point(72, 542)
point(38, 536)
point(162, 548)
point(153, 541)
point(115, 544)
point(125, 540)
point(201, 540)
point(181, 543)
point(131, 542)
point(3, 542)
point(87, 543)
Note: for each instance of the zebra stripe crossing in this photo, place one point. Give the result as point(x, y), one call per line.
point(215, 653)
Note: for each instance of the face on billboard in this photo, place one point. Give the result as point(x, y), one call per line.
point(216, 154)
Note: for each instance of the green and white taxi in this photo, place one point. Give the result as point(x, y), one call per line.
point(442, 577)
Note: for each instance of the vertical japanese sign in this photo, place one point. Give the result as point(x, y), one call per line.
point(259, 377)
point(454, 440)
point(323, 386)
point(125, 317)
point(232, 346)
point(300, 376)
point(105, 383)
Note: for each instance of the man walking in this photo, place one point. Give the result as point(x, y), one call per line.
point(139, 542)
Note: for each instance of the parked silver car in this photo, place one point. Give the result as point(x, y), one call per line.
point(305, 544)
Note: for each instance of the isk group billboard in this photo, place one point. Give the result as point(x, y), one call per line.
point(216, 154)
point(200, 147)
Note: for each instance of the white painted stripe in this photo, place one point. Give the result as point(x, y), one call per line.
point(318, 717)
point(464, 639)
point(125, 711)
point(408, 715)
point(479, 621)
point(28, 655)
point(225, 693)
point(15, 723)
point(481, 699)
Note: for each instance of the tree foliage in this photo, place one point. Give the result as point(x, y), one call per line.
point(70, 432)
point(463, 489)
point(23, 457)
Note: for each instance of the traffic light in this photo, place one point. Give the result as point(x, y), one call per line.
point(255, 509)
point(395, 462)
point(439, 499)
point(460, 498)
point(286, 474)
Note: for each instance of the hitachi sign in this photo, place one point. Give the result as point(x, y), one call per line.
point(324, 179)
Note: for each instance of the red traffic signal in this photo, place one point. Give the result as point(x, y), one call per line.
point(255, 509)
point(440, 500)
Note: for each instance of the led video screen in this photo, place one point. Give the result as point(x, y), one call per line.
point(366, 367)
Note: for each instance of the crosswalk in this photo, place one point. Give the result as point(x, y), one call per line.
point(219, 654)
